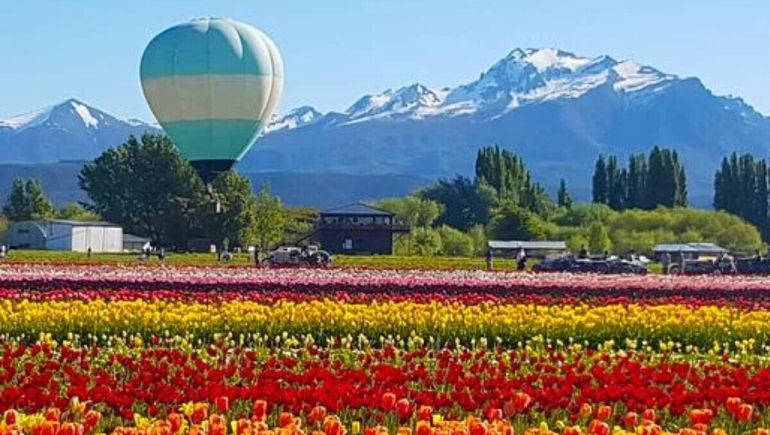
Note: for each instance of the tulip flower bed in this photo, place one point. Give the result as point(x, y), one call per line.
point(161, 350)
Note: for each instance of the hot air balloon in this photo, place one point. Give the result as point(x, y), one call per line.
point(212, 84)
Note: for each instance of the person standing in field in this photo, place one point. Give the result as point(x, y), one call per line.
point(490, 259)
point(665, 260)
point(521, 260)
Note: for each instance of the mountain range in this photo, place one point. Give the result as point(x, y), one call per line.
point(557, 110)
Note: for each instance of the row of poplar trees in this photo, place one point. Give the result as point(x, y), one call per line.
point(741, 187)
point(648, 182)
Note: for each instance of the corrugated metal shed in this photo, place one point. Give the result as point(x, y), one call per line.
point(689, 247)
point(524, 244)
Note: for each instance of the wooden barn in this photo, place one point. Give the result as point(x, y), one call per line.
point(358, 229)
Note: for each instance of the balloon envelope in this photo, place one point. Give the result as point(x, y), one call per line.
point(212, 84)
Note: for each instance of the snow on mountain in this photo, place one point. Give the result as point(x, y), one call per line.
point(26, 120)
point(69, 130)
point(524, 76)
point(298, 117)
point(556, 109)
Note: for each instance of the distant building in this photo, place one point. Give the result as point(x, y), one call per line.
point(358, 229)
point(689, 250)
point(132, 243)
point(65, 235)
point(533, 249)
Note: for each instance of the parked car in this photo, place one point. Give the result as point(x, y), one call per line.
point(295, 256)
point(590, 265)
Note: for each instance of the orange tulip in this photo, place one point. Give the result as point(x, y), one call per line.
point(598, 427)
point(649, 414)
point(586, 411)
point(572, 430)
point(604, 413)
point(423, 428)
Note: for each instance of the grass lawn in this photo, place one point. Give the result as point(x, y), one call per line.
point(59, 257)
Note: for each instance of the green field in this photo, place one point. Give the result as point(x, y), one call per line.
point(58, 257)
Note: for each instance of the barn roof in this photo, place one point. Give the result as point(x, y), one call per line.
point(356, 209)
point(688, 247)
point(75, 223)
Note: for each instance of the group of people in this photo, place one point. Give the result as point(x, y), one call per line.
point(147, 252)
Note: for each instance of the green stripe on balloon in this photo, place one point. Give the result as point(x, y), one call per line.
point(216, 46)
point(213, 139)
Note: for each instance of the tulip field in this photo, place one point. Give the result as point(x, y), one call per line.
point(138, 349)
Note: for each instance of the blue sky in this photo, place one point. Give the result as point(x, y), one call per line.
point(336, 50)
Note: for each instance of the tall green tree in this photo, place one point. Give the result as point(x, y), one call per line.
point(465, 202)
point(147, 187)
point(269, 220)
point(234, 222)
point(507, 174)
point(600, 181)
point(75, 211)
point(741, 188)
point(564, 199)
point(27, 201)
point(637, 181)
point(666, 184)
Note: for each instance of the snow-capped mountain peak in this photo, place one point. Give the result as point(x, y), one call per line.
point(66, 114)
point(413, 99)
point(299, 117)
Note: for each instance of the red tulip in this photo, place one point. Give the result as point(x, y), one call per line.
point(285, 419)
point(200, 413)
point(52, 414)
point(388, 401)
point(630, 420)
point(91, 419)
point(222, 404)
point(744, 412)
point(494, 414)
point(404, 409)
point(259, 412)
point(316, 415)
point(701, 416)
point(732, 404)
point(425, 413)
point(477, 428)
point(423, 428)
point(521, 401)
point(11, 417)
point(70, 429)
point(572, 430)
